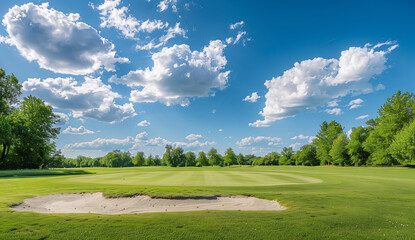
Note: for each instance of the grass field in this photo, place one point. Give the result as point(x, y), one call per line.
point(323, 203)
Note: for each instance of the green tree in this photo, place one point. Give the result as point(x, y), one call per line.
point(230, 157)
point(214, 157)
point(33, 127)
point(149, 160)
point(190, 159)
point(139, 160)
point(286, 156)
point(398, 111)
point(307, 156)
point(358, 156)
point(324, 140)
point(178, 159)
point(240, 159)
point(167, 155)
point(402, 148)
point(338, 151)
point(202, 160)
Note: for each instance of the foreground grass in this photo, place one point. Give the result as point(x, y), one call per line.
point(349, 203)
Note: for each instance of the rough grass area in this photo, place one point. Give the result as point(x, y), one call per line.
point(348, 203)
point(41, 172)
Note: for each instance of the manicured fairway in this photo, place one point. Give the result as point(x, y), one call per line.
point(199, 178)
point(323, 203)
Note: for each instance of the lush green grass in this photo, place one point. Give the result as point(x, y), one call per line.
point(348, 203)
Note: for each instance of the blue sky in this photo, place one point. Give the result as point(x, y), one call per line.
point(183, 69)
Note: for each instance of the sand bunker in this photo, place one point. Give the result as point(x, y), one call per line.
point(97, 203)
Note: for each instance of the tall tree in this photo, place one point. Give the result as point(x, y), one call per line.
point(358, 155)
point(202, 160)
point(338, 151)
point(178, 159)
point(139, 160)
point(402, 148)
point(214, 157)
point(190, 159)
point(33, 127)
point(286, 156)
point(324, 140)
point(307, 156)
point(398, 111)
point(240, 159)
point(230, 157)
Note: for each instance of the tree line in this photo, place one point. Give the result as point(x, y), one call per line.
point(387, 140)
point(28, 126)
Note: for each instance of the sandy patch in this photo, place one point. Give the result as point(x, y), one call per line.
point(97, 203)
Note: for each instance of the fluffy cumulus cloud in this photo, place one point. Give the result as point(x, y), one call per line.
point(92, 98)
point(314, 82)
point(138, 142)
point(362, 117)
point(114, 16)
point(81, 130)
point(193, 137)
point(260, 141)
point(144, 123)
point(300, 137)
point(58, 42)
point(252, 98)
point(179, 74)
point(334, 111)
point(355, 103)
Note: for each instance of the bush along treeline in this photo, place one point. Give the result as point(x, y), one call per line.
point(26, 128)
point(388, 140)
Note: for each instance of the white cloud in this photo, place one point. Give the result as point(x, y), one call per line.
point(314, 82)
point(334, 111)
point(355, 103)
point(117, 17)
point(63, 118)
point(144, 123)
point(80, 130)
point(194, 145)
point(310, 140)
point(173, 32)
point(333, 103)
point(58, 42)
point(259, 141)
point(133, 143)
point(252, 98)
point(362, 117)
point(165, 4)
point(379, 87)
point(301, 137)
point(100, 143)
point(295, 146)
point(193, 137)
point(236, 25)
point(349, 133)
point(92, 98)
point(179, 74)
point(220, 130)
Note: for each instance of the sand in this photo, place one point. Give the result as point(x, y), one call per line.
point(97, 203)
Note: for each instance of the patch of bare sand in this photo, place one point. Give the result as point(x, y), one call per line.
point(97, 203)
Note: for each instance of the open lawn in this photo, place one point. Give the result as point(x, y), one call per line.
point(322, 202)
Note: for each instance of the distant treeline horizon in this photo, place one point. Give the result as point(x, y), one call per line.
point(28, 126)
point(387, 140)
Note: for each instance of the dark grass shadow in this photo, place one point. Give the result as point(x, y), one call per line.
point(40, 173)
